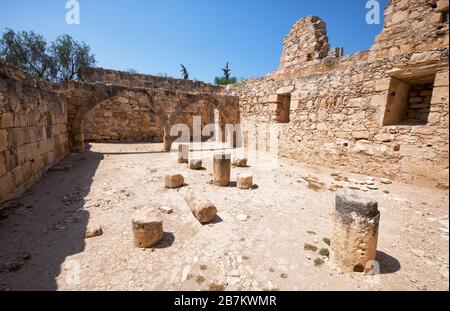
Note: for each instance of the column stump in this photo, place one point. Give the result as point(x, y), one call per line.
point(244, 181)
point(222, 169)
point(183, 153)
point(355, 231)
point(147, 229)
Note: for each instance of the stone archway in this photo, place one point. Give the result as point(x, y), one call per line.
point(166, 105)
point(218, 103)
point(83, 98)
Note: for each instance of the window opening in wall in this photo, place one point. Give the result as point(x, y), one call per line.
point(409, 101)
point(283, 108)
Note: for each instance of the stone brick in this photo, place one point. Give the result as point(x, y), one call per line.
point(201, 207)
point(7, 120)
point(3, 140)
point(382, 84)
point(399, 17)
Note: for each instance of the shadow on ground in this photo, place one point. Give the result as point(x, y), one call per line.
point(45, 226)
point(388, 264)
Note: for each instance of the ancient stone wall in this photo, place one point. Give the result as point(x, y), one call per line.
point(125, 120)
point(412, 26)
point(107, 76)
point(33, 130)
point(307, 43)
point(361, 113)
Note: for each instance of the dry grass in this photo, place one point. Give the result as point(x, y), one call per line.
point(314, 184)
point(309, 247)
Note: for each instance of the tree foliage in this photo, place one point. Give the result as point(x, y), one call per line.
point(184, 72)
point(60, 60)
point(28, 51)
point(69, 57)
point(226, 78)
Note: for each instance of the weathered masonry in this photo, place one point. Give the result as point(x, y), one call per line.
point(382, 112)
point(41, 123)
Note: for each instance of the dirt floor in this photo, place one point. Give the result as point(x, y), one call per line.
point(257, 243)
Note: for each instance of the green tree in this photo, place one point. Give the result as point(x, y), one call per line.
point(28, 51)
point(61, 60)
point(69, 57)
point(184, 72)
point(226, 78)
point(226, 72)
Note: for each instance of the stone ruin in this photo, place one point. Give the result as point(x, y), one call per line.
point(381, 112)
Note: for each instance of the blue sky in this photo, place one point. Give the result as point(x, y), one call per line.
point(156, 36)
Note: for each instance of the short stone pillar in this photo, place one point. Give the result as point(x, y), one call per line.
point(147, 229)
point(201, 207)
point(355, 232)
point(183, 153)
point(222, 169)
point(195, 164)
point(173, 181)
point(244, 181)
point(239, 162)
point(167, 141)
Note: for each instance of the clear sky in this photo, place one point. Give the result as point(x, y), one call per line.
point(156, 36)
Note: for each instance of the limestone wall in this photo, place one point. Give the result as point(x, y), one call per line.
point(107, 76)
point(412, 26)
point(33, 130)
point(127, 121)
point(307, 43)
point(339, 113)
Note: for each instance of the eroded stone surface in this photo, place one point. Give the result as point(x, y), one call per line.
point(355, 231)
point(222, 169)
point(201, 207)
point(244, 181)
point(195, 164)
point(147, 229)
point(173, 181)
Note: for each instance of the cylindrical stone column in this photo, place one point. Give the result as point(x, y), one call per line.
point(183, 153)
point(167, 141)
point(147, 229)
point(222, 169)
point(355, 232)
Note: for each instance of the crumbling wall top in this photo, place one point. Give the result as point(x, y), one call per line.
point(306, 44)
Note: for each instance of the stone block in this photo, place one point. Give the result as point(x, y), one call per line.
point(7, 120)
point(202, 208)
point(165, 209)
point(285, 90)
point(399, 17)
point(382, 84)
point(239, 162)
point(183, 153)
point(355, 231)
point(440, 95)
point(147, 229)
point(93, 232)
point(222, 169)
point(174, 181)
point(2, 164)
point(272, 99)
point(6, 186)
point(244, 181)
point(195, 164)
point(3, 140)
point(361, 135)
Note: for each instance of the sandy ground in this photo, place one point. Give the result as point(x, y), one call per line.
point(43, 245)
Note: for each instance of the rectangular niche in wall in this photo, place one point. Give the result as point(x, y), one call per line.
point(409, 100)
point(283, 108)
